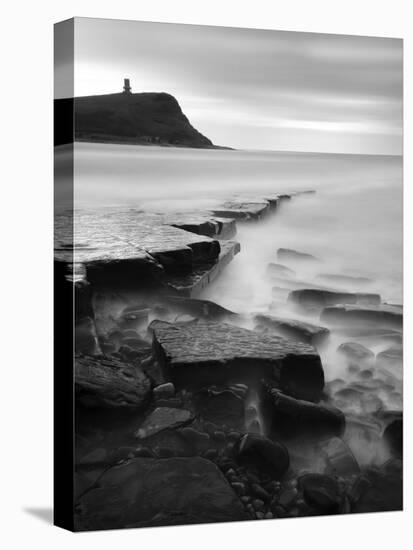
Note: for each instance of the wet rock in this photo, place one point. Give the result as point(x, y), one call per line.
point(384, 316)
point(210, 454)
point(357, 489)
point(97, 456)
point(356, 355)
point(287, 497)
point(293, 417)
point(340, 459)
point(142, 492)
point(320, 492)
point(164, 390)
point(391, 357)
point(279, 270)
point(135, 343)
point(85, 337)
point(202, 274)
point(323, 298)
point(264, 454)
point(134, 319)
point(344, 279)
point(163, 418)
point(221, 406)
point(259, 492)
point(293, 329)
point(385, 492)
point(198, 308)
point(243, 210)
point(258, 505)
point(393, 436)
point(199, 440)
point(293, 256)
point(107, 382)
point(206, 353)
point(144, 452)
point(239, 488)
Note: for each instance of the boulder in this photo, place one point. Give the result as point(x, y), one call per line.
point(293, 329)
point(391, 357)
point(194, 355)
point(163, 391)
point(321, 492)
point(163, 418)
point(310, 297)
point(264, 454)
point(293, 256)
point(293, 417)
point(383, 316)
point(279, 270)
point(356, 354)
point(148, 492)
point(222, 406)
point(243, 210)
point(106, 382)
point(340, 459)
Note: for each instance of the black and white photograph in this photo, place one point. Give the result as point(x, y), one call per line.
point(228, 217)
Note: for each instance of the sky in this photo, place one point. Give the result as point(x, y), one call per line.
point(255, 89)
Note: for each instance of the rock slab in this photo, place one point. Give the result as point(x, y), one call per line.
point(143, 493)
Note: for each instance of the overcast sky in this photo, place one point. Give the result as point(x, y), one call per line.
point(255, 89)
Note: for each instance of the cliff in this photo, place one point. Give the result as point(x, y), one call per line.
point(144, 118)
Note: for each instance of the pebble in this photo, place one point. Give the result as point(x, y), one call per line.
point(164, 390)
point(258, 504)
point(269, 515)
point(287, 497)
point(239, 488)
point(259, 515)
point(245, 499)
point(259, 492)
point(210, 454)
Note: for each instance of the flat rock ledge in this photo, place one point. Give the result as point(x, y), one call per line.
point(143, 493)
point(202, 353)
point(293, 329)
point(383, 316)
point(106, 382)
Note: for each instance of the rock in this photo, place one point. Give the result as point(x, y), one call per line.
point(164, 390)
point(340, 460)
point(97, 456)
point(205, 353)
point(344, 280)
point(143, 493)
point(202, 274)
point(280, 270)
point(294, 329)
point(356, 354)
point(293, 256)
point(220, 406)
point(264, 454)
point(135, 343)
point(85, 337)
point(210, 454)
point(198, 308)
point(199, 440)
point(144, 452)
point(218, 435)
point(384, 316)
point(107, 382)
point(258, 505)
point(320, 492)
point(393, 436)
point(239, 488)
point(243, 210)
point(323, 298)
point(384, 493)
point(292, 417)
point(259, 492)
point(163, 418)
point(360, 485)
point(391, 357)
point(287, 497)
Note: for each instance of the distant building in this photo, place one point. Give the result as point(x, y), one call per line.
point(126, 86)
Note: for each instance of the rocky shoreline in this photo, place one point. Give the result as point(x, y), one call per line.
point(188, 412)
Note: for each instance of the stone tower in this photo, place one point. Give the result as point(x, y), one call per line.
point(126, 86)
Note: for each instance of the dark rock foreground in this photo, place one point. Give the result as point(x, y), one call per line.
point(203, 353)
point(148, 492)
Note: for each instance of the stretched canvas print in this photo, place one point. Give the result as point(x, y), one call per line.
point(228, 274)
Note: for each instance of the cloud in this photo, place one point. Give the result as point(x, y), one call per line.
point(252, 88)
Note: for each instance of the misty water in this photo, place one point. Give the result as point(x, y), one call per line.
point(353, 224)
